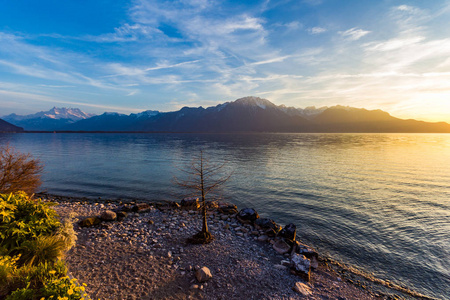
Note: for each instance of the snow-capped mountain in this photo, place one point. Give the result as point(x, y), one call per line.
point(55, 113)
point(53, 119)
point(248, 114)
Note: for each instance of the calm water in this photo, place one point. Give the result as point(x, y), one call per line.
point(380, 202)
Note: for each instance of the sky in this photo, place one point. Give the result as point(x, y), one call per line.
point(136, 55)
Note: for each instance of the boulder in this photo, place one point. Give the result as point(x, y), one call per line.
point(308, 252)
point(301, 266)
point(191, 203)
point(108, 215)
point(247, 216)
point(288, 233)
point(88, 222)
point(203, 274)
point(302, 289)
point(141, 207)
point(269, 226)
point(281, 247)
point(227, 209)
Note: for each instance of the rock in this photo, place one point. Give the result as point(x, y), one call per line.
point(203, 274)
point(121, 215)
point(308, 252)
point(288, 233)
point(247, 216)
point(88, 222)
point(190, 203)
point(227, 208)
point(280, 267)
point(281, 247)
point(108, 215)
point(302, 289)
point(269, 226)
point(263, 238)
point(141, 207)
point(301, 266)
point(286, 263)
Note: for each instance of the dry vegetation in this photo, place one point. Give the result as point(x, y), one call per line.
point(19, 171)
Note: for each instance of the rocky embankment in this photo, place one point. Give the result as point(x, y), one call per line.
point(139, 251)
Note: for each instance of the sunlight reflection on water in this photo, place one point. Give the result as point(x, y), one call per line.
point(376, 201)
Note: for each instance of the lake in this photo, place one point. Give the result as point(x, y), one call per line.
point(379, 202)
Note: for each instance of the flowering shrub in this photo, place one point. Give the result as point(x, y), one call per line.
point(31, 242)
point(23, 219)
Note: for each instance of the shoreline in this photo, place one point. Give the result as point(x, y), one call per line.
point(330, 279)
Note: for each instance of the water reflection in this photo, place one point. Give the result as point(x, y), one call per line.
point(378, 201)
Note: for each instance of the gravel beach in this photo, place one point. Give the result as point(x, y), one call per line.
point(145, 256)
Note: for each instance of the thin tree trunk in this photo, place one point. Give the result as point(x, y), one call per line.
point(205, 225)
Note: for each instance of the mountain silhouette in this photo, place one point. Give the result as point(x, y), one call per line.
point(53, 119)
point(252, 114)
point(8, 127)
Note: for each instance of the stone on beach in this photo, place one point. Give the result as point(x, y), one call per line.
point(288, 232)
point(301, 266)
point(269, 226)
point(191, 203)
point(108, 215)
point(88, 222)
point(121, 215)
point(247, 216)
point(302, 289)
point(281, 247)
point(227, 209)
point(309, 252)
point(141, 207)
point(203, 274)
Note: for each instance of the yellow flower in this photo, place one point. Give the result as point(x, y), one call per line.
point(52, 272)
point(84, 284)
point(43, 298)
point(70, 292)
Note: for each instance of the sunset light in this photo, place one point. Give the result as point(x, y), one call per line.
point(224, 149)
point(131, 56)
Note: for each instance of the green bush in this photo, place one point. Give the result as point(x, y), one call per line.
point(32, 242)
point(23, 219)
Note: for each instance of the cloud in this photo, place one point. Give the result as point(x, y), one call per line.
point(43, 98)
point(393, 44)
point(127, 33)
point(271, 60)
point(353, 34)
point(317, 30)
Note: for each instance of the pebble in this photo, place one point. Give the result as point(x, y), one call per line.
point(239, 263)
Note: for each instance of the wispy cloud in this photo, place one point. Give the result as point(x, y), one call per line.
point(353, 34)
point(317, 30)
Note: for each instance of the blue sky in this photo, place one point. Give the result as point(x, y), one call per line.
point(130, 56)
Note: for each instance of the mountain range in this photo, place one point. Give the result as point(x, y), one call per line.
point(248, 114)
point(8, 127)
point(53, 119)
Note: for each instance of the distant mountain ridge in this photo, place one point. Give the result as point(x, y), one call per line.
point(51, 120)
point(251, 114)
point(8, 127)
